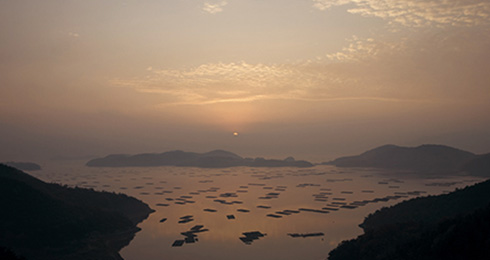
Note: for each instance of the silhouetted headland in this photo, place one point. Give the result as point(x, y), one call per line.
point(424, 159)
point(24, 166)
point(449, 226)
point(49, 221)
point(213, 159)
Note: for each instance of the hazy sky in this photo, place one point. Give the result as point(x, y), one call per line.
point(314, 79)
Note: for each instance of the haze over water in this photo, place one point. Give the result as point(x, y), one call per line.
point(176, 192)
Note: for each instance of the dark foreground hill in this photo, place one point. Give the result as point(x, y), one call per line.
point(445, 227)
point(48, 221)
point(213, 159)
point(424, 159)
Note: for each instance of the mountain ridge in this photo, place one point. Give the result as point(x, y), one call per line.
point(427, 158)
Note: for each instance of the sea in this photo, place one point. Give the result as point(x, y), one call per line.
point(247, 213)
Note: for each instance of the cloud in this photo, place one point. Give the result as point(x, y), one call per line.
point(418, 13)
point(225, 82)
point(327, 4)
point(242, 82)
point(73, 34)
point(363, 49)
point(214, 8)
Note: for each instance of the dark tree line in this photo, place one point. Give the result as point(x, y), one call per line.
point(46, 221)
point(451, 226)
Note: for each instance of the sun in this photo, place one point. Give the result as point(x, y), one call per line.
point(235, 133)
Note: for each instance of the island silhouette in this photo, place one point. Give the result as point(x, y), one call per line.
point(213, 159)
point(424, 159)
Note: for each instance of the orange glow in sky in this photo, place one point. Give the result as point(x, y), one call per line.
point(313, 78)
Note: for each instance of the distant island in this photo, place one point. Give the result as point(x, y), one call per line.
point(424, 159)
point(49, 221)
point(213, 159)
point(24, 166)
point(479, 166)
point(450, 226)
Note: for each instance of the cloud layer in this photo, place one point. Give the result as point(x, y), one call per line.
point(417, 13)
point(433, 66)
point(443, 63)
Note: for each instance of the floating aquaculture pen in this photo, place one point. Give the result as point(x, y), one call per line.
point(263, 207)
point(295, 235)
point(249, 237)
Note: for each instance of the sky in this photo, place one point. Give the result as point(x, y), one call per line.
point(313, 79)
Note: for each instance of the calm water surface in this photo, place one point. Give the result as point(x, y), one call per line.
point(208, 196)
